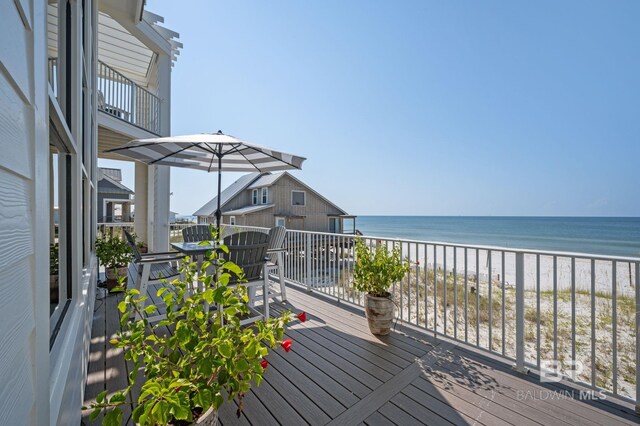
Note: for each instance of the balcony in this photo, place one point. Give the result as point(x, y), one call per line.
point(446, 362)
point(120, 97)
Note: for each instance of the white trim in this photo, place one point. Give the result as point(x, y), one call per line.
point(304, 204)
point(264, 196)
point(232, 220)
point(283, 219)
point(254, 197)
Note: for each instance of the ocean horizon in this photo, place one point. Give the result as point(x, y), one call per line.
point(612, 236)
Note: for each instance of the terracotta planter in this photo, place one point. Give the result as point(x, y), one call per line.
point(143, 249)
point(380, 313)
point(112, 276)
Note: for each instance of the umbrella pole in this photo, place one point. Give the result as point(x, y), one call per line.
point(218, 211)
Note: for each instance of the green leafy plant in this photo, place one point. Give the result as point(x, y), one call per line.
point(208, 359)
point(54, 260)
point(113, 252)
point(377, 267)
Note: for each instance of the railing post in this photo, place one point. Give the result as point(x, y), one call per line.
point(637, 337)
point(519, 367)
point(307, 259)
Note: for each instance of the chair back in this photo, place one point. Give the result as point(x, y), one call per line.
point(132, 244)
point(196, 233)
point(276, 241)
point(248, 250)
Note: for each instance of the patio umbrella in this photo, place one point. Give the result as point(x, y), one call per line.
point(210, 152)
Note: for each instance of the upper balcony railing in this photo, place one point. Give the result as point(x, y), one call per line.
point(121, 97)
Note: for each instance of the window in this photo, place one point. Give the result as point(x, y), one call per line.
point(280, 221)
point(232, 220)
point(265, 195)
point(334, 225)
point(60, 235)
point(298, 198)
point(254, 197)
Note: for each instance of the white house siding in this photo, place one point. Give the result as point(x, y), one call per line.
point(24, 210)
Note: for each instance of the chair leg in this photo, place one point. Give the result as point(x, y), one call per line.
point(283, 287)
point(144, 280)
point(252, 295)
point(265, 291)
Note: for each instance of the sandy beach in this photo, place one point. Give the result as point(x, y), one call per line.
point(625, 274)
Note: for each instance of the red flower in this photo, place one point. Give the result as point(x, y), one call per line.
point(379, 241)
point(286, 344)
point(417, 262)
point(264, 363)
point(302, 316)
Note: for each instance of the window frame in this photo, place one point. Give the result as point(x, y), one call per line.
point(232, 220)
point(254, 197)
point(264, 196)
point(304, 200)
point(283, 219)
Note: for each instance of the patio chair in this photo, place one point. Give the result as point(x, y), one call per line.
point(151, 268)
point(196, 233)
point(248, 250)
point(275, 265)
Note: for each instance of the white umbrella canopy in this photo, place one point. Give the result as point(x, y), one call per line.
point(210, 152)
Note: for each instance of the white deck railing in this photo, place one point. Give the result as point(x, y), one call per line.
point(120, 97)
point(571, 314)
point(568, 314)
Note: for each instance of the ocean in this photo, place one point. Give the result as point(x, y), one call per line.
point(613, 236)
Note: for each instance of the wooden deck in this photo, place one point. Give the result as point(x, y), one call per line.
point(337, 373)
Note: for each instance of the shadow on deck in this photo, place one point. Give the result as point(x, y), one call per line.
point(338, 373)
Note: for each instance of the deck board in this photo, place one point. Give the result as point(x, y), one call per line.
point(338, 373)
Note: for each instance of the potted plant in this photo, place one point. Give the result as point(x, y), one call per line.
point(207, 359)
point(142, 246)
point(377, 267)
point(115, 254)
point(54, 265)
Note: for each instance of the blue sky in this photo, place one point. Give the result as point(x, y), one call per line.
point(420, 107)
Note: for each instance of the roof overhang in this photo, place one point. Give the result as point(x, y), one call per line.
point(247, 210)
point(129, 38)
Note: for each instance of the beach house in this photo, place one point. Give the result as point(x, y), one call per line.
point(115, 200)
point(277, 199)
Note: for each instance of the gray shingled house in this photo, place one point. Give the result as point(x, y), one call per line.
point(270, 199)
point(115, 201)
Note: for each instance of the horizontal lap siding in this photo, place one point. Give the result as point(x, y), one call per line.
point(18, 341)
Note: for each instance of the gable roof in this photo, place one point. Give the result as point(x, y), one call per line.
point(228, 194)
point(253, 181)
point(109, 189)
point(266, 180)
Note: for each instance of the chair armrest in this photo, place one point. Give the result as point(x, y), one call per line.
point(160, 253)
point(159, 259)
point(276, 250)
